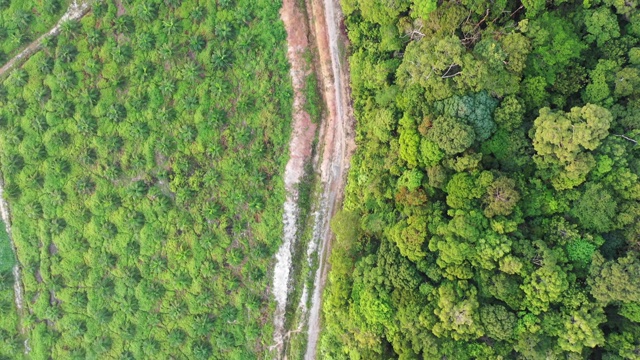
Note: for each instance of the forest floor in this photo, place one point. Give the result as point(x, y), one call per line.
point(74, 12)
point(319, 31)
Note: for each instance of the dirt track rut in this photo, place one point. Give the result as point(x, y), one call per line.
point(336, 141)
point(338, 147)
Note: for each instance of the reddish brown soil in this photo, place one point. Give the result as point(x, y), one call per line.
point(303, 130)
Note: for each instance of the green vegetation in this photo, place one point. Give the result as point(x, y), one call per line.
point(493, 205)
point(143, 150)
point(10, 340)
point(22, 21)
point(313, 98)
point(7, 258)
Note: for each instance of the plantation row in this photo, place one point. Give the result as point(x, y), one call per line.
point(142, 151)
point(22, 21)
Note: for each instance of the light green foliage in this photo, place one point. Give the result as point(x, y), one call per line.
point(345, 226)
point(602, 25)
point(409, 235)
point(498, 322)
point(509, 148)
point(510, 113)
point(534, 92)
point(554, 45)
point(21, 24)
point(452, 135)
point(501, 197)
point(411, 179)
point(582, 329)
point(492, 69)
point(627, 82)
point(517, 47)
point(142, 151)
point(580, 252)
point(616, 280)
point(433, 65)
point(430, 153)
point(534, 7)
point(562, 142)
point(631, 311)
point(510, 265)
point(467, 162)
point(422, 8)
point(458, 313)
point(375, 309)
point(545, 286)
point(492, 248)
point(596, 209)
point(409, 145)
point(628, 7)
point(599, 91)
point(634, 56)
point(464, 187)
point(382, 12)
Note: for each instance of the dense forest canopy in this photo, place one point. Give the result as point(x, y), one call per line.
point(142, 151)
point(493, 206)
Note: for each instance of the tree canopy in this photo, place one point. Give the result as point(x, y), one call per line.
point(503, 175)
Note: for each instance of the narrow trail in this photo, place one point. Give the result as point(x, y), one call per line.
point(74, 12)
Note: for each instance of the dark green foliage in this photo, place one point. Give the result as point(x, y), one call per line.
point(500, 163)
point(10, 340)
point(476, 110)
point(596, 209)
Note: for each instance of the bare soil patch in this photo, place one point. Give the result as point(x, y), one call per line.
point(300, 150)
point(338, 146)
point(336, 142)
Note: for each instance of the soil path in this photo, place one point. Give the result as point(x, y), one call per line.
point(74, 12)
point(336, 140)
point(300, 150)
point(338, 144)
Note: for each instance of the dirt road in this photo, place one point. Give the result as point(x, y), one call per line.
point(339, 144)
point(300, 150)
point(74, 12)
point(336, 141)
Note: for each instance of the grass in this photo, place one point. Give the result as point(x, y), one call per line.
point(10, 338)
point(303, 271)
point(7, 257)
point(313, 99)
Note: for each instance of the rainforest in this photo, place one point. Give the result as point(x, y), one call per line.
point(492, 208)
